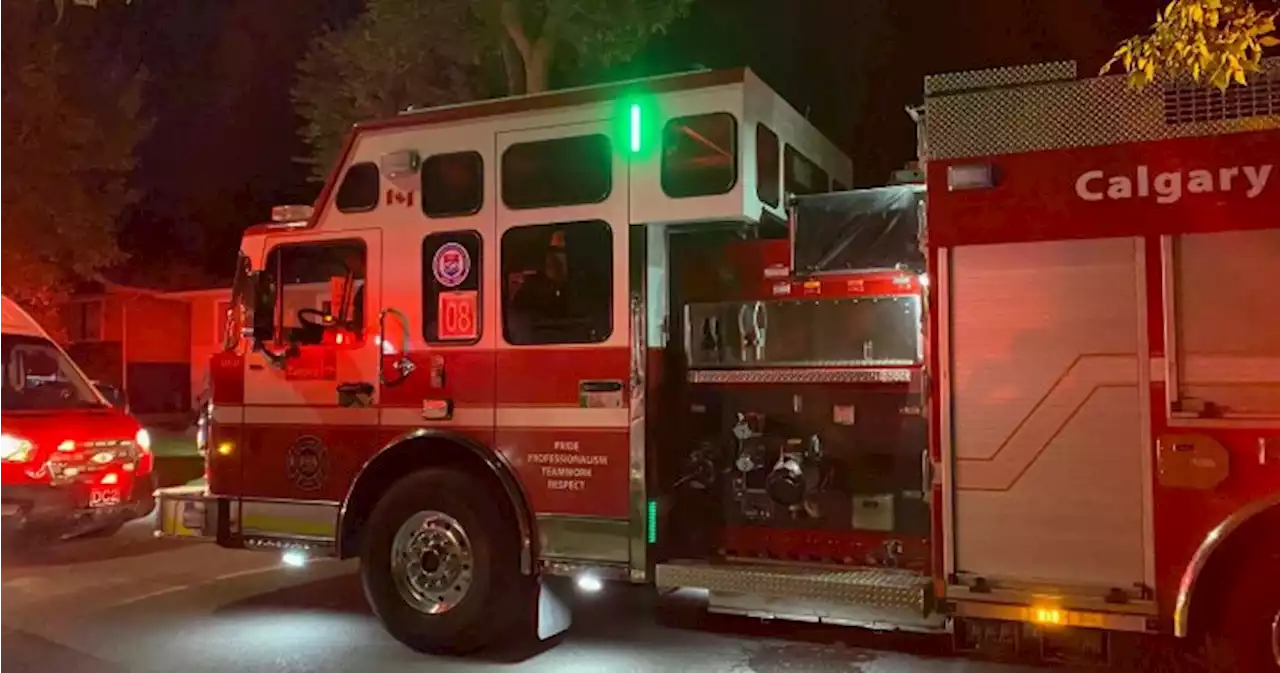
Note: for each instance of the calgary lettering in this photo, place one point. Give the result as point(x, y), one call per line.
point(1169, 187)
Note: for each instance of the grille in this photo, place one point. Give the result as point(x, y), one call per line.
point(1186, 102)
point(1045, 115)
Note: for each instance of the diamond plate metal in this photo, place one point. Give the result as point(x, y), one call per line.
point(1079, 113)
point(999, 77)
point(889, 589)
point(816, 375)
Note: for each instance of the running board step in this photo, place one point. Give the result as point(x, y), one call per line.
point(876, 597)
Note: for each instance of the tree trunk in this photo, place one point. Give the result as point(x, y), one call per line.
point(513, 66)
point(537, 67)
point(535, 56)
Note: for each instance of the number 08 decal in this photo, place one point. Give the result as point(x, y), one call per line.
point(457, 315)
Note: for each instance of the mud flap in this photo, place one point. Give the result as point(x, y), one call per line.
point(554, 612)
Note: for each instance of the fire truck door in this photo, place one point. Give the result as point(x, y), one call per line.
point(309, 415)
point(563, 356)
point(1049, 406)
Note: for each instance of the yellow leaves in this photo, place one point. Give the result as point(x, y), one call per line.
point(1217, 40)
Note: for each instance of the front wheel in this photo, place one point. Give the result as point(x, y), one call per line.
point(1245, 629)
point(440, 564)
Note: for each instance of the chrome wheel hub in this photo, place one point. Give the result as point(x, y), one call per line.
point(431, 562)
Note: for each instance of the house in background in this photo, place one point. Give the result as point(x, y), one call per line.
point(208, 310)
point(135, 339)
point(155, 346)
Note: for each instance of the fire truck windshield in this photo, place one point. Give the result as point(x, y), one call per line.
point(39, 377)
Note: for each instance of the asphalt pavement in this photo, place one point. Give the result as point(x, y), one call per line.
point(133, 603)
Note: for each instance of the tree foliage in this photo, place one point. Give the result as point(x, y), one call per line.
point(530, 33)
point(421, 53)
point(69, 137)
point(61, 6)
point(396, 54)
point(1215, 41)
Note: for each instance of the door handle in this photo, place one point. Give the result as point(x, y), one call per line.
point(404, 366)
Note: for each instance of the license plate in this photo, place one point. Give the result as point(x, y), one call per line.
point(104, 496)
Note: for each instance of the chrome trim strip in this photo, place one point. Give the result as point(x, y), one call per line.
point(288, 501)
point(1169, 320)
point(1144, 417)
point(942, 332)
point(803, 375)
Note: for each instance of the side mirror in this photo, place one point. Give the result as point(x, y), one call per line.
point(114, 395)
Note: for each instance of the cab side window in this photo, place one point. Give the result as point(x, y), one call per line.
point(360, 188)
point(801, 176)
point(318, 286)
point(557, 283)
point(700, 155)
point(557, 172)
point(452, 184)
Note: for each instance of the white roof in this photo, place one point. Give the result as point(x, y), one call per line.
point(14, 320)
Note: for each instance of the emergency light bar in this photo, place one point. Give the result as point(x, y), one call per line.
point(291, 213)
point(400, 163)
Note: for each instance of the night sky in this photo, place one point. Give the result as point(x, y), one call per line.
point(222, 148)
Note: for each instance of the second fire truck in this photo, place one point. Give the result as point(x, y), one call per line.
point(643, 332)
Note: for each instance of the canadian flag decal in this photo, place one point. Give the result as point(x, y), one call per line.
point(399, 198)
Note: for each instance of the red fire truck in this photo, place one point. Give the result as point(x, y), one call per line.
point(643, 332)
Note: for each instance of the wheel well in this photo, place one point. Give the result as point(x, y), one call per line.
point(1223, 561)
point(416, 453)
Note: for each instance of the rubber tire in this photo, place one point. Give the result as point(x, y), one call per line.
point(499, 594)
point(1249, 600)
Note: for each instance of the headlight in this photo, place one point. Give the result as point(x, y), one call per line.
point(15, 449)
point(143, 440)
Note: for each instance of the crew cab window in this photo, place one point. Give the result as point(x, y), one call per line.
point(1227, 340)
point(557, 283)
point(801, 176)
point(359, 189)
point(318, 286)
point(38, 377)
point(700, 155)
point(451, 272)
point(768, 166)
point(557, 172)
point(452, 184)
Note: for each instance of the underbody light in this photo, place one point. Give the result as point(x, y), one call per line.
point(589, 583)
point(294, 558)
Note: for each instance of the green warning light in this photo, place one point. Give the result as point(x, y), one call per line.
point(635, 130)
point(651, 532)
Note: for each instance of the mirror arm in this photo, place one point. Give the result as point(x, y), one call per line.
point(276, 359)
